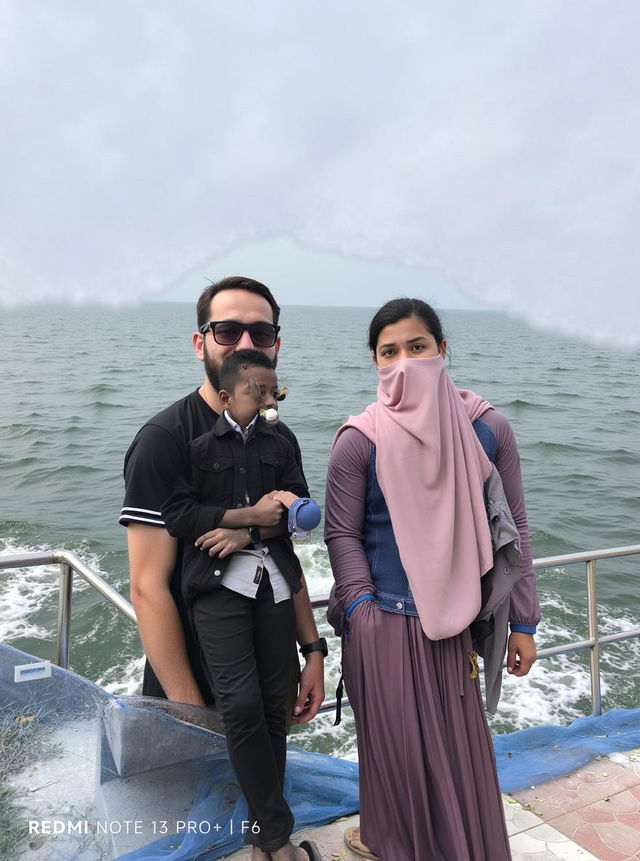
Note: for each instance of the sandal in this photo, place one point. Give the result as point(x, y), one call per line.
point(311, 849)
point(352, 839)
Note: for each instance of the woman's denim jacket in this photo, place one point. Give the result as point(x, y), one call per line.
point(393, 593)
point(392, 587)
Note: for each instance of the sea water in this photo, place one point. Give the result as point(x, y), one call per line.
point(77, 382)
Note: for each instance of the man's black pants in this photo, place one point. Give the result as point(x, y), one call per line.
point(249, 646)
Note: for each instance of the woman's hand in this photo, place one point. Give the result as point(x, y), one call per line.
point(521, 653)
point(222, 542)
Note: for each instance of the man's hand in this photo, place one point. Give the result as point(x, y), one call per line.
point(311, 694)
point(267, 511)
point(521, 653)
point(223, 542)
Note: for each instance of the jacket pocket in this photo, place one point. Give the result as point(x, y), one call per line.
point(217, 475)
point(214, 463)
point(269, 464)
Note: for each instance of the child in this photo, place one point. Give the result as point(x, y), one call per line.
point(239, 576)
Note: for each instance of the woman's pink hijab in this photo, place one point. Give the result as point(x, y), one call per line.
point(431, 469)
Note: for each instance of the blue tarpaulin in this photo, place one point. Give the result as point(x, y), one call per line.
point(532, 756)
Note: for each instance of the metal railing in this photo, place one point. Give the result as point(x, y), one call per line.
point(71, 564)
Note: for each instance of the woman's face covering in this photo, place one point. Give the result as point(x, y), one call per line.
point(409, 338)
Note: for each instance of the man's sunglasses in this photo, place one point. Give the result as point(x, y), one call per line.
point(228, 332)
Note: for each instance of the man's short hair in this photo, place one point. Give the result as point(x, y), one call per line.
point(233, 282)
point(240, 361)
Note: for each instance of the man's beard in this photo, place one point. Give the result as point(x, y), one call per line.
point(212, 368)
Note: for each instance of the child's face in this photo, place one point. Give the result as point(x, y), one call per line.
point(256, 389)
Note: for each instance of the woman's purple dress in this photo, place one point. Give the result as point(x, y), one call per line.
point(428, 781)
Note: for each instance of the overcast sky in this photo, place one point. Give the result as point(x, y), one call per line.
point(486, 152)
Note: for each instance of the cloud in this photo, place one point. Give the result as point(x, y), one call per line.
point(495, 144)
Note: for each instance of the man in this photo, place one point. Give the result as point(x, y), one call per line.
point(232, 314)
point(241, 597)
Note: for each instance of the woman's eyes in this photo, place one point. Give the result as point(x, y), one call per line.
point(413, 348)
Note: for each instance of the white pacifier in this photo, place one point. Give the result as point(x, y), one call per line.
point(271, 416)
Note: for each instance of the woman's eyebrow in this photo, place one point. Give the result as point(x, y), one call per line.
point(408, 341)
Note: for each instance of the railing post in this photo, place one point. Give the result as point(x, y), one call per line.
point(594, 651)
point(64, 615)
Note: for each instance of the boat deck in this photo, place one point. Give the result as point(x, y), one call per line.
point(593, 813)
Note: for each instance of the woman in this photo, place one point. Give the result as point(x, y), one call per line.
point(408, 540)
